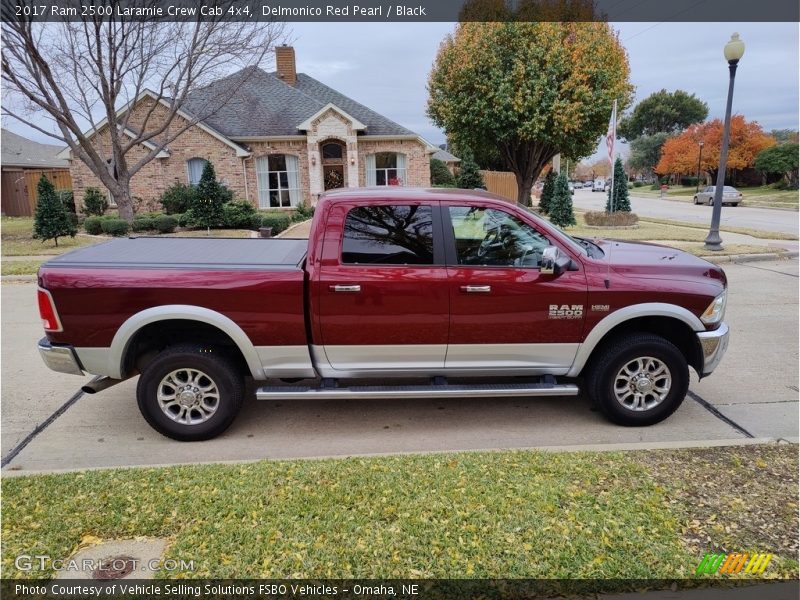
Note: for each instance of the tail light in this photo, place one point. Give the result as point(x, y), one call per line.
point(47, 311)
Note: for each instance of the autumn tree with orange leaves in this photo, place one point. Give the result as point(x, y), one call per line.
point(680, 154)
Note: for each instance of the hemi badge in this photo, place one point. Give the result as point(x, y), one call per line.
point(601, 307)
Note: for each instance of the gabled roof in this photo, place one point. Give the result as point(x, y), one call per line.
point(18, 151)
point(267, 106)
point(445, 156)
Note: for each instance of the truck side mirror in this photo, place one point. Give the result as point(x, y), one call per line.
point(554, 262)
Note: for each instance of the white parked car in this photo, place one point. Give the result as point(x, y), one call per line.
point(730, 195)
point(599, 185)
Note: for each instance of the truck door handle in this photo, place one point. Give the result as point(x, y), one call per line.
point(345, 288)
point(476, 289)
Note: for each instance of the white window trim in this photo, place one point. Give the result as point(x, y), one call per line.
point(403, 178)
point(265, 161)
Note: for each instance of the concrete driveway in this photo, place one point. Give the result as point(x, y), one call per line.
point(764, 219)
point(754, 393)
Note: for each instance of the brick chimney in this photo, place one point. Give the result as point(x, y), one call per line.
point(284, 58)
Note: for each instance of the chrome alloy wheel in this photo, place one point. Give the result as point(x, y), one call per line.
point(642, 383)
point(188, 396)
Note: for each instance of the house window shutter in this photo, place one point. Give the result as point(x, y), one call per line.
point(371, 179)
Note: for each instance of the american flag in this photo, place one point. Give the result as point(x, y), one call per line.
point(611, 136)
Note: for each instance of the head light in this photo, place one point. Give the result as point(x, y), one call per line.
point(716, 310)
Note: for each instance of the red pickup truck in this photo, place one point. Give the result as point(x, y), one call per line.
point(444, 292)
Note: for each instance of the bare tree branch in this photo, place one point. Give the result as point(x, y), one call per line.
point(80, 75)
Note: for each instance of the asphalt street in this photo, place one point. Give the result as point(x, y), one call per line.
point(754, 393)
point(764, 219)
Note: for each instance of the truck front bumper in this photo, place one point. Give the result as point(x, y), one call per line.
point(59, 358)
point(714, 344)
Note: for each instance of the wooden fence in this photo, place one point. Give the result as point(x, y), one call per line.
point(501, 183)
point(19, 189)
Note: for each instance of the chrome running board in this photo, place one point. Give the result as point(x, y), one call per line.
point(373, 392)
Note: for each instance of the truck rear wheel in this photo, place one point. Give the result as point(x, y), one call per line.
point(638, 379)
point(190, 393)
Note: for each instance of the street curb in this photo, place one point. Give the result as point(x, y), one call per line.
point(20, 278)
point(9, 471)
point(743, 258)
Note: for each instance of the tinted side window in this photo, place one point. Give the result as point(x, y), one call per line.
point(490, 237)
point(394, 235)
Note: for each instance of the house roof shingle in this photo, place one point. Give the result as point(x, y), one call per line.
point(18, 151)
point(266, 106)
point(444, 155)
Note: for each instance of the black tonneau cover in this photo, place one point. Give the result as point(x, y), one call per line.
point(188, 253)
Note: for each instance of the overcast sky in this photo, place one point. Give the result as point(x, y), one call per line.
point(385, 66)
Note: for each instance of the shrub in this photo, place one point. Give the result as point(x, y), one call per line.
point(547, 192)
point(469, 177)
point(210, 196)
point(68, 200)
point(598, 218)
point(114, 226)
point(51, 220)
point(561, 212)
point(302, 212)
point(177, 198)
point(183, 219)
point(621, 201)
point(165, 223)
point(94, 203)
point(278, 221)
point(143, 223)
point(241, 215)
point(638, 184)
point(93, 225)
point(440, 174)
point(689, 181)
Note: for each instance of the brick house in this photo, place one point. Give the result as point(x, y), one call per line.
point(282, 140)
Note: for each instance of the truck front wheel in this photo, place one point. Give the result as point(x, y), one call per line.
point(190, 393)
point(638, 379)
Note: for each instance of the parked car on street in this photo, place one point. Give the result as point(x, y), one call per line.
point(730, 196)
point(398, 283)
point(599, 185)
point(571, 188)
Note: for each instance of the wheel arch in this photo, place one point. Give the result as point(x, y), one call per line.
point(672, 322)
point(119, 360)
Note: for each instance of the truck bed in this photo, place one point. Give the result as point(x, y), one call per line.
point(241, 254)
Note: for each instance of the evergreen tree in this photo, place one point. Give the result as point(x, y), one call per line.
point(546, 199)
point(440, 174)
point(621, 202)
point(207, 208)
point(561, 204)
point(52, 220)
point(469, 177)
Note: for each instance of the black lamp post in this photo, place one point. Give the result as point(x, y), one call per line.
point(734, 50)
point(699, 160)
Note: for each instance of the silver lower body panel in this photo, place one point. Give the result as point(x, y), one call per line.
point(373, 392)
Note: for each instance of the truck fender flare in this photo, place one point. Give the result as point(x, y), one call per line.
point(182, 312)
point(648, 309)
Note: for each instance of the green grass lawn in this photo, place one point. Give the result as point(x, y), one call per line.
point(483, 514)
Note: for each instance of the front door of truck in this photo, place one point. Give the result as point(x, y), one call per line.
point(505, 314)
point(383, 301)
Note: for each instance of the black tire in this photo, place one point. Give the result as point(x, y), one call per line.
point(622, 351)
point(226, 394)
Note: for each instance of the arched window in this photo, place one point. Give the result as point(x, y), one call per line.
point(278, 181)
point(386, 168)
point(194, 169)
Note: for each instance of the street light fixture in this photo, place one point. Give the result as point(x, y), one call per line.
point(699, 160)
point(734, 50)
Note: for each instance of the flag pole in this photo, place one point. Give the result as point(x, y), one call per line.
point(613, 149)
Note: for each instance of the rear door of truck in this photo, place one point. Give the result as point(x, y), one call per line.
point(383, 290)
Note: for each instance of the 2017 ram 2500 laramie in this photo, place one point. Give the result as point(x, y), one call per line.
point(471, 294)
